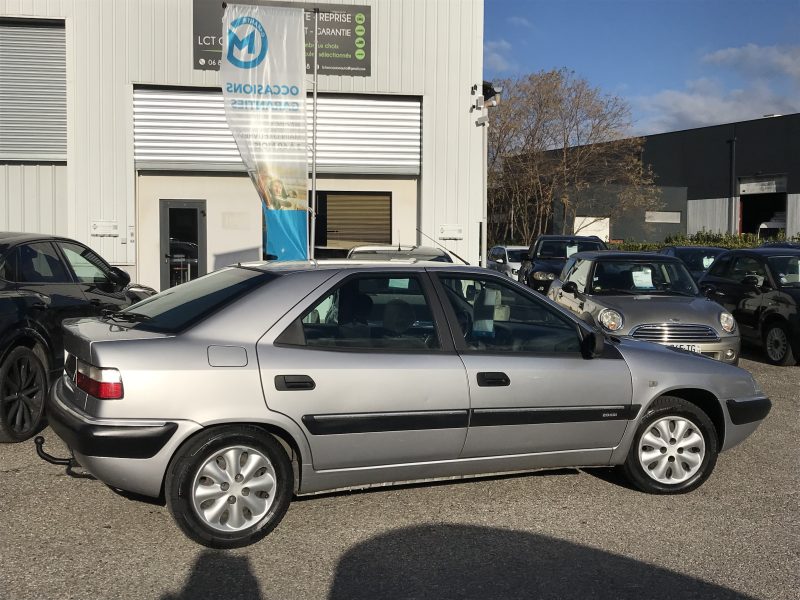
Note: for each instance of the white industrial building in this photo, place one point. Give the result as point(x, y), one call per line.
point(113, 133)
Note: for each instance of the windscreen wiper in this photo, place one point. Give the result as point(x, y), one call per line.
point(124, 317)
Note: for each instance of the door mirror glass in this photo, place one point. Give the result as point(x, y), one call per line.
point(569, 287)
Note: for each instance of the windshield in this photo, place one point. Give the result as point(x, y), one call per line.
point(517, 256)
point(698, 259)
point(179, 307)
point(786, 270)
point(642, 277)
point(566, 248)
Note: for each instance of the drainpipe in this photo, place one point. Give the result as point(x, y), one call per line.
point(733, 225)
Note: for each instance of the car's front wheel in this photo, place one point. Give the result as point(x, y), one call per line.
point(23, 389)
point(229, 487)
point(778, 346)
point(674, 450)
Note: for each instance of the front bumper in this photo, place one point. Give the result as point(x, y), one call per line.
point(726, 350)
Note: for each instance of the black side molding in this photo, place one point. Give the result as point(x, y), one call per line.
point(376, 422)
point(748, 411)
point(491, 417)
point(286, 383)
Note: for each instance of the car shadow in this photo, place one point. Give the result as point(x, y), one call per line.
point(461, 561)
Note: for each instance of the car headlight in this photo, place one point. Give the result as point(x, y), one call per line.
point(610, 319)
point(543, 276)
point(727, 321)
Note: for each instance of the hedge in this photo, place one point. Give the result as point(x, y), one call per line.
point(703, 238)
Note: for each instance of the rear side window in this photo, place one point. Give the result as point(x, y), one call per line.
point(177, 308)
point(387, 312)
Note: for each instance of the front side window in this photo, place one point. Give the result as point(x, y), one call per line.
point(517, 256)
point(720, 267)
point(87, 266)
point(494, 317)
point(39, 263)
point(642, 277)
point(747, 265)
point(382, 312)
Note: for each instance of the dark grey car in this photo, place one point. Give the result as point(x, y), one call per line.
point(646, 296)
point(233, 392)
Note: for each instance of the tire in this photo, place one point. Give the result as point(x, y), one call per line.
point(778, 345)
point(671, 474)
point(23, 392)
point(212, 519)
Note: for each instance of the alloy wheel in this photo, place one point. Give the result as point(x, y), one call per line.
point(234, 489)
point(777, 344)
point(22, 395)
point(671, 450)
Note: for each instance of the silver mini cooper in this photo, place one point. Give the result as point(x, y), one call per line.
point(646, 296)
point(228, 395)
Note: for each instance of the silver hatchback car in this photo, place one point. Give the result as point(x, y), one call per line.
point(229, 394)
point(649, 297)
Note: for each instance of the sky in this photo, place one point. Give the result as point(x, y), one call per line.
point(678, 63)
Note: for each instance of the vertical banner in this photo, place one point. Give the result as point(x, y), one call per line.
point(262, 75)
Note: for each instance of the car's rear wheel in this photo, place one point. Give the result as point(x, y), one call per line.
point(674, 450)
point(23, 390)
point(778, 346)
point(229, 487)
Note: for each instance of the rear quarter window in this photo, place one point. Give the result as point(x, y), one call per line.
point(180, 307)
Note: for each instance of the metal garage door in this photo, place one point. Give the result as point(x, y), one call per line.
point(354, 219)
point(33, 91)
point(186, 129)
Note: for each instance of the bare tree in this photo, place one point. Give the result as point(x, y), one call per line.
point(558, 148)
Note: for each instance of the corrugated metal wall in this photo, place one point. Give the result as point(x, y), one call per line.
point(710, 214)
point(185, 129)
point(425, 48)
point(34, 198)
point(33, 92)
point(792, 214)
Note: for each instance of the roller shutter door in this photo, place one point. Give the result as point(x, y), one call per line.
point(358, 219)
point(186, 129)
point(33, 92)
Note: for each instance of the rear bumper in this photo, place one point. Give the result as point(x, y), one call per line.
point(99, 437)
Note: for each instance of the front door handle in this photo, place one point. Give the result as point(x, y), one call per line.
point(495, 379)
point(288, 383)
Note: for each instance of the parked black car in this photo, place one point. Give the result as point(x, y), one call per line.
point(761, 288)
point(697, 259)
point(548, 255)
point(44, 280)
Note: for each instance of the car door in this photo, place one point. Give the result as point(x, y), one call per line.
point(531, 389)
point(369, 373)
point(93, 276)
point(39, 271)
point(750, 296)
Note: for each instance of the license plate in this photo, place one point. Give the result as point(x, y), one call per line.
point(689, 347)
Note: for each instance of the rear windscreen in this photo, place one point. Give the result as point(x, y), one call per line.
point(177, 308)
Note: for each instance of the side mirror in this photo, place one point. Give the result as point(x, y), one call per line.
point(570, 287)
point(592, 345)
point(119, 277)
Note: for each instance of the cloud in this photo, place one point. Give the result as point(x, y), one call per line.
point(495, 56)
point(770, 84)
point(520, 21)
point(760, 62)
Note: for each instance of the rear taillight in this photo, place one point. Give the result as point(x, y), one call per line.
point(105, 384)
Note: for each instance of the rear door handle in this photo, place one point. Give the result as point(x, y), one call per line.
point(288, 383)
point(494, 379)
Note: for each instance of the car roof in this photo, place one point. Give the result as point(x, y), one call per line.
point(622, 255)
point(768, 251)
point(412, 264)
point(19, 236)
point(549, 236)
point(403, 249)
point(696, 248)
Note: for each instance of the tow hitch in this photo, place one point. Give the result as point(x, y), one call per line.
point(69, 463)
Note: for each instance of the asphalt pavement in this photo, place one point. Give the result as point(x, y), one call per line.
point(562, 534)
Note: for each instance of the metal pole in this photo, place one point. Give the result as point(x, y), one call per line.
point(313, 232)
